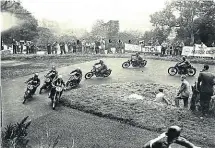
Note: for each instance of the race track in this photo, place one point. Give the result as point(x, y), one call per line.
point(13, 90)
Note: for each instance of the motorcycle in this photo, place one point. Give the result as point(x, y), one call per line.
point(97, 74)
point(28, 92)
point(191, 71)
point(56, 96)
point(73, 81)
point(134, 63)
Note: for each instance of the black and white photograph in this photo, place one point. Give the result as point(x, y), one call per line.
point(107, 74)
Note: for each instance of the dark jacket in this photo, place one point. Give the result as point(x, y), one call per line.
point(77, 71)
point(34, 81)
point(207, 81)
point(58, 82)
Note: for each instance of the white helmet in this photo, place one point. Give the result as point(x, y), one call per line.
point(60, 76)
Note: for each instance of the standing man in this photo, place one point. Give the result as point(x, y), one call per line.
point(49, 48)
point(27, 47)
point(206, 81)
point(183, 93)
point(181, 45)
point(83, 46)
point(163, 48)
point(97, 44)
point(54, 49)
point(103, 45)
point(14, 46)
point(62, 48)
point(74, 46)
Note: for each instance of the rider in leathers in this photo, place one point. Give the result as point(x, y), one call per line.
point(54, 73)
point(103, 68)
point(184, 65)
point(35, 81)
point(58, 82)
point(78, 73)
point(139, 59)
point(167, 138)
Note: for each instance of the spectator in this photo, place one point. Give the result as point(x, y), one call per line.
point(49, 48)
point(54, 49)
point(206, 81)
point(2, 45)
point(21, 46)
point(161, 98)
point(183, 93)
point(181, 45)
point(62, 48)
point(213, 44)
point(129, 41)
point(78, 45)
point(103, 43)
point(74, 46)
point(97, 45)
point(83, 43)
point(69, 45)
point(14, 46)
point(27, 47)
point(163, 48)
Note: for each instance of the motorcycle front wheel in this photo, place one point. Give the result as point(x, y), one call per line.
point(172, 71)
point(88, 75)
point(143, 64)
point(125, 64)
point(191, 71)
point(25, 98)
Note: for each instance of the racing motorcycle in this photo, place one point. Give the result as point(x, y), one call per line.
point(97, 74)
point(47, 83)
point(191, 71)
point(28, 92)
point(73, 81)
point(56, 97)
point(134, 63)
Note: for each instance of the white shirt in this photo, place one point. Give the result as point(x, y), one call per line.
point(159, 97)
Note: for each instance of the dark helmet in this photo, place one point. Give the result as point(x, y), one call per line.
point(206, 67)
point(101, 62)
point(173, 132)
point(138, 53)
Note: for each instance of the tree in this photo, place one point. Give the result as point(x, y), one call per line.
point(27, 28)
point(194, 16)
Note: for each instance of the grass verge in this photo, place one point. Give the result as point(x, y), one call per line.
point(37, 64)
point(111, 101)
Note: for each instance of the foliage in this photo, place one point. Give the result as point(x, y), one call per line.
point(195, 22)
point(15, 135)
point(26, 28)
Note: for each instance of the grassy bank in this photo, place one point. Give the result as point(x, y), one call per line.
point(111, 101)
point(33, 63)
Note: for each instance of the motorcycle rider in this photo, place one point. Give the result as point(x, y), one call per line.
point(58, 82)
point(78, 73)
point(54, 73)
point(167, 138)
point(102, 68)
point(139, 59)
point(184, 65)
point(35, 81)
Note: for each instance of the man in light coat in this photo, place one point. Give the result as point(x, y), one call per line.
point(183, 93)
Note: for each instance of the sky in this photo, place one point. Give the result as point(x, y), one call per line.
point(132, 14)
